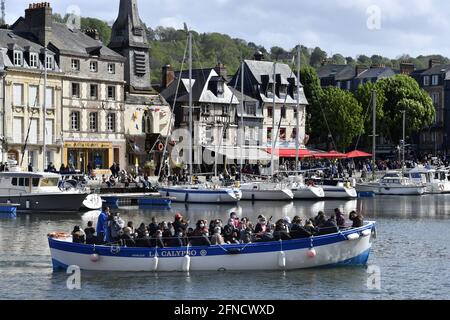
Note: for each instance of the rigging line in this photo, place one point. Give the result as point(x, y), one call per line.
point(328, 126)
point(364, 121)
point(169, 130)
point(30, 118)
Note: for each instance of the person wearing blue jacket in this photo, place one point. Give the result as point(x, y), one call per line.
point(102, 225)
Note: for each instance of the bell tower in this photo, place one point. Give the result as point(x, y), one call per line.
point(129, 38)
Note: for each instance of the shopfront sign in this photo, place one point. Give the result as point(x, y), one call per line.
point(88, 145)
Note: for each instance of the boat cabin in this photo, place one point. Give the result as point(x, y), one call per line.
point(28, 182)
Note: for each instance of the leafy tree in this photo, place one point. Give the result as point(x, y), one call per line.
point(102, 27)
point(338, 59)
point(313, 93)
point(403, 93)
point(364, 60)
point(344, 116)
point(318, 56)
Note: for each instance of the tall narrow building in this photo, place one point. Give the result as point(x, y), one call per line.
point(147, 115)
point(129, 38)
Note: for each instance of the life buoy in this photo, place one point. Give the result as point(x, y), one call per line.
point(160, 146)
point(441, 187)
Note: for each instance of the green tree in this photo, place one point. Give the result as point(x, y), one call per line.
point(403, 93)
point(344, 116)
point(102, 27)
point(313, 93)
point(338, 59)
point(318, 56)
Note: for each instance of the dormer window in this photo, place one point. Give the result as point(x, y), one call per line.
point(283, 91)
point(49, 63)
point(18, 58)
point(220, 88)
point(93, 66)
point(34, 60)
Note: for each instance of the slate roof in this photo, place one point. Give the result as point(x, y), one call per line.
point(199, 80)
point(443, 68)
point(265, 68)
point(371, 73)
point(336, 70)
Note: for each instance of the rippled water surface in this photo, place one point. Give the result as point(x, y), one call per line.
point(412, 251)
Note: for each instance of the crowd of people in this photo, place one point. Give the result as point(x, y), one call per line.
point(112, 230)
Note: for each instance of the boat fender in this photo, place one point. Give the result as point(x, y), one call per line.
point(366, 233)
point(353, 236)
point(186, 263)
point(282, 259)
point(312, 253)
point(95, 257)
point(155, 261)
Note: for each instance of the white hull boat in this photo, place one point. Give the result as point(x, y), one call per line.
point(347, 248)
point(261, 191)
point(393, 183)
point(201, 194)
point(340, 192)
point(308, 192)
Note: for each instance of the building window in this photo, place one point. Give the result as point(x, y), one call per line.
point(93, 91)
point(220, 89)
point(75, 64)
point(283, 112)
point(349, 85)
point(426, 81)
point(49, 129)
point(75, 90)
point(111, 68)
point(75, 121)
point(111, 92)
point(17, 130)
point(49, 100)
point(269, 134)
point(435, 80)
point(225, 110)
point(33, 100)
point(282, 134)
point(18, 58)
point(435, 96)
point(49, 63)
point(111, 122)
point(270, 112)
point(18, 95)
point(338, 84)
point(93, 121)
point(33, 60)
point(93, 66)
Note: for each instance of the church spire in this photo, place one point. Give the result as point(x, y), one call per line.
point(129, 38)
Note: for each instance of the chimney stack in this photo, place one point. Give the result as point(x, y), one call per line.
point(39, 20)
point(433, 62)
point(167, 76)
point(360, 69)
point(406, 68)
point(221, 71)
point(258, 56)
point(93, 33)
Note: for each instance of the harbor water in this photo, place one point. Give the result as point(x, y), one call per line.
point(409, 257)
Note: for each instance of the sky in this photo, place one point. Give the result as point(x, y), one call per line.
point(350, 27)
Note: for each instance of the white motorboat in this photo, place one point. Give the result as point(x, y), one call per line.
point(436, 181)
point(40, 191)
point(350, 247)
point(201, 194)
point(394, 183)
point(303, 191)
point(335, 189)
point(266, 191)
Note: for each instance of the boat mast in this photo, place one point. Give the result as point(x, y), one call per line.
point(190, 105)
point(44, 131)
point(297, 132)
point(374, 130)
point(403, 142)
point(242, 119)
point(272, 136)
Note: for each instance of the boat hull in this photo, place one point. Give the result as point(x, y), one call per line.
point(330, 250)
point(58, 202)
point(401, 191)
point(308, 193)
point(93, 202)
point(267, 195)
point(201, 196)
point(336, 192)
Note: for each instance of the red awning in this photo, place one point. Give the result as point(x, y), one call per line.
point(291, 153)
point(358, 154)
point(330, 155)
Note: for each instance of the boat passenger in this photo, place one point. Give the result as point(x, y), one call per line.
point(309, 227)
point(246, 236)
point(357, 218)
point(235, 218)
point(179, 225)
point(78, 235)
point(116, 224)
point(200, 236)
point(177, 241)
point(157, 240)
point(320, 220)
point(340, 220)
point(281, 232)
point(217, 238)
point(230, 233)
point(153, 227)
point(287, 223)
point(90, 233)
point(131, 226)
point(126, 238)
point(329, 227)
point(261, 225)
point(102, 225)
point(298, 231)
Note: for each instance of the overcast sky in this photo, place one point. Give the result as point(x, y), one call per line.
point(349, 27)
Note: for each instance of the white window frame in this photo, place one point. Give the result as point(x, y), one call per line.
point(113, 96)
point(76, 64)
point(435, 80)
point(34, 58)
point(78, 91)
point(426, 81)
point(50, 97)
point(96, 91)
point(93, 121)
point(111, 122)
point(93, 66)
point(50, 62)
point(111, 68)
point(21, 102)
point(18, 58)
point(33, 101)
point(75, 120)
